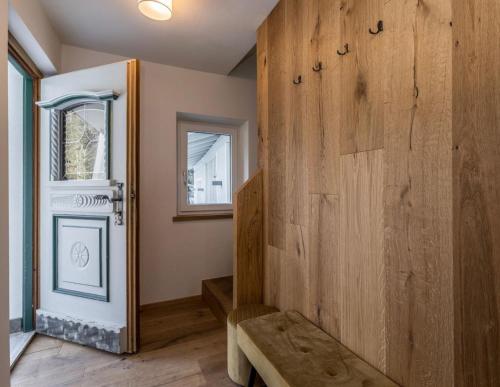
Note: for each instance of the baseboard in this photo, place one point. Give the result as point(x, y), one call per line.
point(169, 303)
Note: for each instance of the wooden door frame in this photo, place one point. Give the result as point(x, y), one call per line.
point(132, 190)
point(27, 66)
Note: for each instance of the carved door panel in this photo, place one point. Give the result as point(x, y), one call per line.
point(83, 260)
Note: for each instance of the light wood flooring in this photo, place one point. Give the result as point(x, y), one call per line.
point(182, 344)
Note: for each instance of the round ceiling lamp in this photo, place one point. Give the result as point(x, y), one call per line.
point(156, 9)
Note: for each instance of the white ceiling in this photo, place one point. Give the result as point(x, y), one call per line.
point(206, 35)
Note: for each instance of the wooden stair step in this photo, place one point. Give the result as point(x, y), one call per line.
point(218, 294)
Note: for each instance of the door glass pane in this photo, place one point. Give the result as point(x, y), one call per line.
point(209, 168)
point(84, 142)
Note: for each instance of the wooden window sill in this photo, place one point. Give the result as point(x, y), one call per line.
point(194, 218)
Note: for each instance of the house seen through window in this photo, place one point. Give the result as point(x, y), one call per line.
point(207, 157)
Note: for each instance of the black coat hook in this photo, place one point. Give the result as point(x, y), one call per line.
point(298, 81)
point(346, 50)
point(318, 67)
point(380, 28)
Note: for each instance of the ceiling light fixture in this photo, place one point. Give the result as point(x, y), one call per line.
point(156, 9)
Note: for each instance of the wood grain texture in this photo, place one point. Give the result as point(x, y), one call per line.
point(323, 96)
point(294, 265)
point(287, 350)
point(476, 191)
point(263, 129)
point(417, 210)
point(426, 91)
point(217, 293)
point(294, 291)
point(362, 103)
point(272, 277)
point(361, 266)
point(263, 93)
point(296, 156)
point(248, 243)
point(279, 85)
point(324, 275)
point(238, 366)
point(167, 323)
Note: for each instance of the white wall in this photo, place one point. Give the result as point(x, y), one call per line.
point(31, 27)
point(176, 257)
point(4, 204)
point(15, 95)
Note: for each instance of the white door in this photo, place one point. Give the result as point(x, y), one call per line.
point(83, 207)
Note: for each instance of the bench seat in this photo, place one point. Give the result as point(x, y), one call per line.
point(288, 350)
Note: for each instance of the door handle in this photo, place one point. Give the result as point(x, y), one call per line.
point(107, 198)
point(118, 209)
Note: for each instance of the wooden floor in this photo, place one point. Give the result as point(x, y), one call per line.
point(183, 344)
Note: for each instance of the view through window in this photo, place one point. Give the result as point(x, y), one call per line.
point(209, 168)
point(84, 142)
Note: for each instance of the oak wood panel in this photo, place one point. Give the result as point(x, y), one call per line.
point(476, 192)
point(324, 274)
point(278, 95)
point(263, 94)
point(297, 129)
point(396, 93)
point(272, 277)
point(361, 266)
point(294, 279)
point(294, 264)
point(417, 212)
point(248, 243)
point(362, 69)
point(323, 96)
point(263, 130)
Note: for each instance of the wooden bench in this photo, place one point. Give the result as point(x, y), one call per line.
point(288, 350)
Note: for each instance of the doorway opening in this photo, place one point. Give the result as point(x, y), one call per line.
point(22, 204)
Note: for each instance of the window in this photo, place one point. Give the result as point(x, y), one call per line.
point(79, 135)
point(84, 142)
point(207, 166)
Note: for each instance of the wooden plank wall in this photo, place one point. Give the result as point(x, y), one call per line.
point(382, 204)
point(418, 191)
point(476, 191)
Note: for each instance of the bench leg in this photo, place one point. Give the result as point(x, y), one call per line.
point(251, 378)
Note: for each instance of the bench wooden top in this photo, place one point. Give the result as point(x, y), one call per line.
point(288, 350)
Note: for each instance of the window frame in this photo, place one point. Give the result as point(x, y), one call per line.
point(183, 127)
